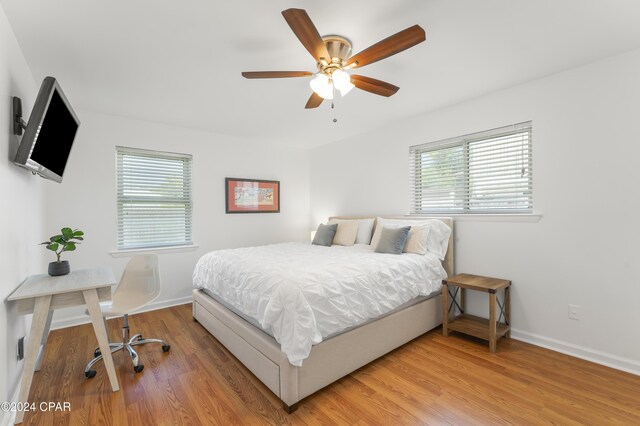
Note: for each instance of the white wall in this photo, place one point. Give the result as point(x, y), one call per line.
point(86, 198)
point(583, 251)
point(21, 217)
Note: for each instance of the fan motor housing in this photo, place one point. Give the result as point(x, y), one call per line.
point(339, 49)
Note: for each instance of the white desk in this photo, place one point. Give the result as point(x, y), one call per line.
point(41, 294)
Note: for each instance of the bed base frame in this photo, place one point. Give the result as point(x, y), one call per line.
point(329, 360)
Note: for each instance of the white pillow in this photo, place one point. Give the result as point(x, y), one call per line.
point(437, 238)
point(365, 229)
point(417, 239)
point(346, 233)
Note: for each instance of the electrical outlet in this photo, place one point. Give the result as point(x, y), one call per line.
point(574, 312)
point(21, 348)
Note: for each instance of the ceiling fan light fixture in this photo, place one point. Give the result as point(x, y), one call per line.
point(342, 81)
point(332, 54)
point(321, 84)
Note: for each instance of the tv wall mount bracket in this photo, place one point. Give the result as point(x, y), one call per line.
point(18, 123)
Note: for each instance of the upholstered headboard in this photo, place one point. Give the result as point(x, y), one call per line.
point(447, 263)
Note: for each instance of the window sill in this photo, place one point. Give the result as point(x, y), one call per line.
point(156, 250)
point(526, 218)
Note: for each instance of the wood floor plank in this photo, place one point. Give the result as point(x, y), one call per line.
point(216, 408)
point(551, 382)
point(431, 380)
point(406, 393)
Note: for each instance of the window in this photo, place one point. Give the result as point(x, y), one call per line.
point(154, 198)
point(487, 172)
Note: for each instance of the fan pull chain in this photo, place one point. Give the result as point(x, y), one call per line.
point(333, 111)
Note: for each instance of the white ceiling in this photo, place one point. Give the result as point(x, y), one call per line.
point(179, 62)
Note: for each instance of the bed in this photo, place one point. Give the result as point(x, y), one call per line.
point(295, 371)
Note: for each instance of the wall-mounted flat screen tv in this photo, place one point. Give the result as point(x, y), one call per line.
point(49, 133)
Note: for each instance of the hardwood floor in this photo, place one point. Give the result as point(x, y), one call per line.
point(431, 380)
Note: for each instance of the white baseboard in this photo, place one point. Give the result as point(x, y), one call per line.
point(613, 361)
point(84, 319)
point(8, 418)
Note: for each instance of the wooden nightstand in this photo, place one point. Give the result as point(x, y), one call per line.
point(482, 328)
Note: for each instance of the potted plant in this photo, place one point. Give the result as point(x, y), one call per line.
point(65, 241)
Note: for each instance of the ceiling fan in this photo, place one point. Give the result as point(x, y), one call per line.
point(332, 54)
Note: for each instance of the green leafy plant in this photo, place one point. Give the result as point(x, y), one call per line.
point(65, 241)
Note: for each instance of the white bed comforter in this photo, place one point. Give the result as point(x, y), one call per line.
point(300, 293)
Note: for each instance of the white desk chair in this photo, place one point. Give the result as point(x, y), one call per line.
point(139, 285)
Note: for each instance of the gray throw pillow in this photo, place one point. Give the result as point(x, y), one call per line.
point(324, 234)
point(392, 240)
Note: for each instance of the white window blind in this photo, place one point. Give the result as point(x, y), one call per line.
point(487, 172)
point(154, 198)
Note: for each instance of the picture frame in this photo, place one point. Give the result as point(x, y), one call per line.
point(251, 195)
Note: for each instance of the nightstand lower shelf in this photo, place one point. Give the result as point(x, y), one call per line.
point(476, 326)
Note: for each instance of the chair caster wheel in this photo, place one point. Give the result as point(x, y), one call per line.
point(138, 368)
point(140, 338)
point(166, 348)
point(90, 374)
point(97, 353)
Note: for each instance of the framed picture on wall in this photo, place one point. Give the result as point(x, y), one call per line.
point(252, 195)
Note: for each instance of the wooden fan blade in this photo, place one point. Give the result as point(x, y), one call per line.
point(306, 32)
point(275, 74)
point(314, 101)
point(374, 86)
point(389, 46)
